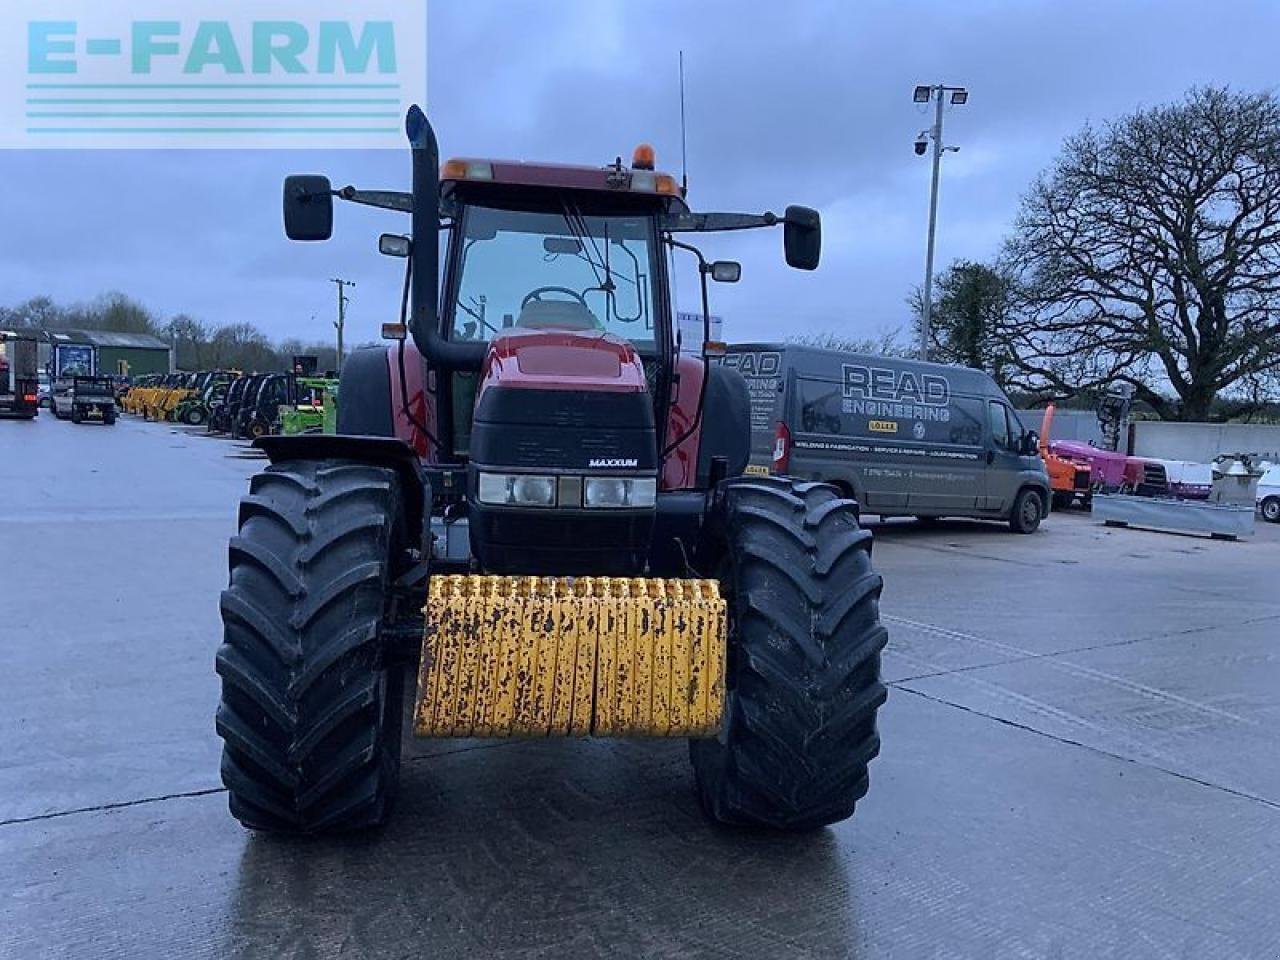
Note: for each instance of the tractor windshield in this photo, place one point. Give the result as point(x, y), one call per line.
point(554, 270)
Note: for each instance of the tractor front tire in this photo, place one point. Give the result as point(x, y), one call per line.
point(803, 681)
point(311, 706)
point(195, 416)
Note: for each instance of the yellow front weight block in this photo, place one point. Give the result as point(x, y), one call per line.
point(553, 656)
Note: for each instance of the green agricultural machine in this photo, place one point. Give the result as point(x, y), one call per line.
point(312, 406)
point(211, 386)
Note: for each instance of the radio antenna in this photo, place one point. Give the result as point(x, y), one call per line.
point(684, 147)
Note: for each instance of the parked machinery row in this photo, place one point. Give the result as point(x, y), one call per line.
point(241, 405)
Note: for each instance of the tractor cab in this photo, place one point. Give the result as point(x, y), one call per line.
point(557, 405)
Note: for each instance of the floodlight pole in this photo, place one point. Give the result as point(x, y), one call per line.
point(927, 314)
point(936, 93)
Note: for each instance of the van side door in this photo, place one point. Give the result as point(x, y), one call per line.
point(947, 474)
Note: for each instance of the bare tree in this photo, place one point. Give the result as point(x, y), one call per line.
point(119, 313)
point(190, 340)
point(885, 343)
point(1150, 254)
point(39, 312)
point(241, 346)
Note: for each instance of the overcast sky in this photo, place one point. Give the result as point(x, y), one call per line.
point(800, 102)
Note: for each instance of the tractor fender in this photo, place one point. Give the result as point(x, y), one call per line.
point(726, 424)
point(374, 451)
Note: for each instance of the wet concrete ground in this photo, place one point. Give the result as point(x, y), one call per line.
point(1081, 759)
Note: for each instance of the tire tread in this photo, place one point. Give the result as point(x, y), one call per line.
point(310, 711)
point(800, 722)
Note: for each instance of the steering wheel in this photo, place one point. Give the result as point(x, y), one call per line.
point(537, 295)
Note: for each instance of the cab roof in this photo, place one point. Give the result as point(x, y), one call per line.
point(613, 178)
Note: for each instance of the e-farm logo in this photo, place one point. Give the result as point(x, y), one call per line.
point(210, 73)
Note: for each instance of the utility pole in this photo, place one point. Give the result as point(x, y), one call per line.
point(923, 94)
point(343, 300)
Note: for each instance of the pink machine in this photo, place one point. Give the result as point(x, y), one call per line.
point(1114, 472)
point(1108, 465)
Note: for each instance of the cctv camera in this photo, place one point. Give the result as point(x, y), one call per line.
point(921, 147)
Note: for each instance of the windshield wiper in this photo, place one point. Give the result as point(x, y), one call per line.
point(577, 224)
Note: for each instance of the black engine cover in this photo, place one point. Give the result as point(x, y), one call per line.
point(561, 432)
point(564, 430)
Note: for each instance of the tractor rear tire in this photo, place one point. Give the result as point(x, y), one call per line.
point(803, 680)
point(311, 705)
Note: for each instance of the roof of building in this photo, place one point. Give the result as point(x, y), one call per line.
point(109, 338)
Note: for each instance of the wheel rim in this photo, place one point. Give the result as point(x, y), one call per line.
point(1030, 512)
point(1271, 510)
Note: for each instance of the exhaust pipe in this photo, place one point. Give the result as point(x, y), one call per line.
point(424, 323)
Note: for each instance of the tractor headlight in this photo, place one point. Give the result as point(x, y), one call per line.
point(619, 492)
point(517, 490)
point(569, 492)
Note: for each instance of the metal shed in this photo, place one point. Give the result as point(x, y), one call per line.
point(123, 353)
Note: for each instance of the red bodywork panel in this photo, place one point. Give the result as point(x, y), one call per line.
point(550, 359)
point(420, 401)
point(557, 359)
point(680, 467)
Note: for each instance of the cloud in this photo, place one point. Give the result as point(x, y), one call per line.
point(787, 103)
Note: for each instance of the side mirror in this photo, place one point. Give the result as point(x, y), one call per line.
point(394, 245)
point(725, 271)
point(802, 238)
point(308, 207)
point(1030, 443)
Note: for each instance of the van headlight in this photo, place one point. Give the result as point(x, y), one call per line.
point(536, 490)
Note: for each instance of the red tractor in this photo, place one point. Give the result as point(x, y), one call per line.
point(537, 497)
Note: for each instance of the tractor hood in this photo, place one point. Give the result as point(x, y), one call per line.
point(562, 359)
point(566, 411)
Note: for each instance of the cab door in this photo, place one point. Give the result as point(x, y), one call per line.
point(1004, 458)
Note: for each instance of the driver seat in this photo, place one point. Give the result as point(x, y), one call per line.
point(557, 314)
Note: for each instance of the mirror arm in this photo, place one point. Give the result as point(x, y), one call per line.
point(718, 222)
point(386, 199)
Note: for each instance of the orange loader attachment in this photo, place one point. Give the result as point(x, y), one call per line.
point(1067, 478)
point(1046, 424)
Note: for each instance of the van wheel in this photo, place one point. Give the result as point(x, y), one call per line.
point(1271, 509)
point(1028, 510)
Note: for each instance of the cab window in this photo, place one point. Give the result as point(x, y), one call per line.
point(1001, 434)
point(560, 270)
